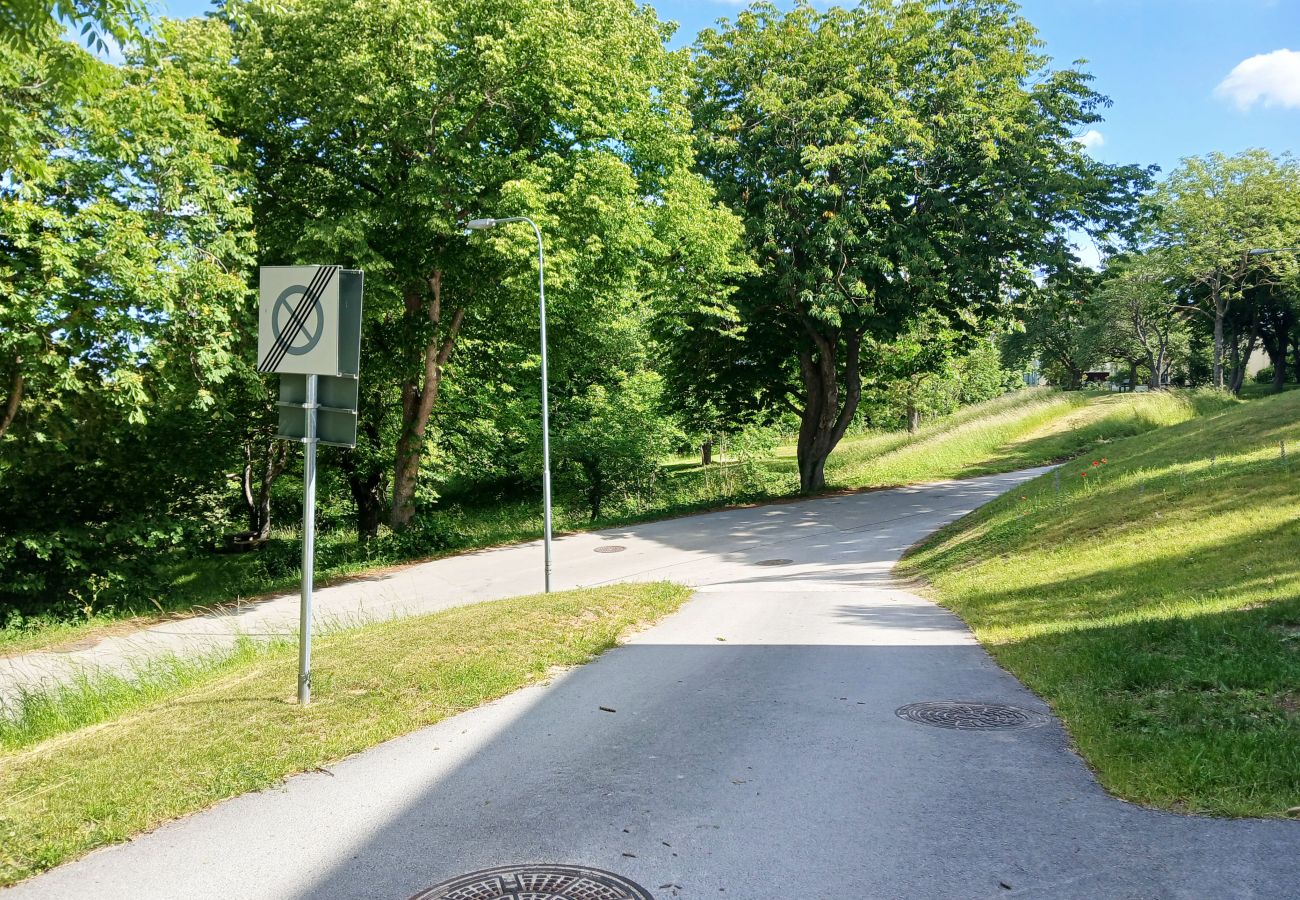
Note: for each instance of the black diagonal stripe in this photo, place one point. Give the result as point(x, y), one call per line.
point(275, 354)
point(291, 330)
point(298, 319)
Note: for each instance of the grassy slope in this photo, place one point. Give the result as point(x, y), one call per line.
point(1017, 430)
point(1155, 604)
point(235, 728)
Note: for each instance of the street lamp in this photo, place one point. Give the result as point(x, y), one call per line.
point(483, 225)
point(1269, 251)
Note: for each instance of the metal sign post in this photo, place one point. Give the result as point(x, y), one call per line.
point(308, 544)
point(309, 333)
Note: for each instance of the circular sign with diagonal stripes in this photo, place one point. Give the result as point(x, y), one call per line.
point(299, 320)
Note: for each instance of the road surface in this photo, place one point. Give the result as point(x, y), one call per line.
point(753, 751)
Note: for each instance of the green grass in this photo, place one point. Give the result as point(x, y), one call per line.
point(1155, 604)
point(1020, 429)
point(193, 738)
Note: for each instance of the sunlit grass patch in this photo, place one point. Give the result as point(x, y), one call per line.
point(211, 733)
point(1153, 599)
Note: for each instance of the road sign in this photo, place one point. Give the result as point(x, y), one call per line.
point(309, 333)
point(309, 320)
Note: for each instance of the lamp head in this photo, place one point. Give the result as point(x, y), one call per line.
point(481, 224)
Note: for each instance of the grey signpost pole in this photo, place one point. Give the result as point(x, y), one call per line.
point(483, 224)
point(308, 543)
point(309, 334)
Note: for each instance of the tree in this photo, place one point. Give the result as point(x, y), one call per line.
point(1058, 324)
point(889, 161)
point(40, 70)
point(1211, 211)
point(377, 130)
point(122, 289)
point(121, 271)
point(1139, 302)
point(610, 440)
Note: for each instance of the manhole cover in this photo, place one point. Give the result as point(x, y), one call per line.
point(536, 883)
point(969, 715)
point(774, 562)
point(610, 548)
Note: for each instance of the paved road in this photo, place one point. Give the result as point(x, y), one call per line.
point(754, 753)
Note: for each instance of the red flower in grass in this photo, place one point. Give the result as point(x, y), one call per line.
point(1084, 474)
point(1095, 463)
point(1103, 459)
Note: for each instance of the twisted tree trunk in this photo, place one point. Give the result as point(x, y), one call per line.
point(419, 395)
point(825, 416)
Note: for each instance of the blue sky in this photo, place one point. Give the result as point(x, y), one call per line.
point(1161, 61)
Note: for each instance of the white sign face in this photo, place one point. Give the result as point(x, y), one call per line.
point(298, 320)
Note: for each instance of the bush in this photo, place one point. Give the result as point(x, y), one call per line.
point(1265, 375)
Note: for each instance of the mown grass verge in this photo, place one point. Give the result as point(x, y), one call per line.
point(1154, 602)
point(234, 727)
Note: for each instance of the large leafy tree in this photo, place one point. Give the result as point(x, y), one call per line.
point(121, 271)
point(122, 262)
point(1212, 211)
point(889, 161)
point(377, 130)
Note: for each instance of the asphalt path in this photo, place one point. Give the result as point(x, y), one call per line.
point(747, 747)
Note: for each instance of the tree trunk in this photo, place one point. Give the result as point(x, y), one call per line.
point(419, 395)
point(824, 418)
point(15, 398)
point(258, 503)
point(1076, 377)
point(1157, 363)
point(706, 453)
point(368, 494)
point(1241, 358)
point(1133, 375)
point(595, 489)
point(913, 418)
point(1295, 355)
point(1220, 310)
point(1279, 373)
point(366, 485)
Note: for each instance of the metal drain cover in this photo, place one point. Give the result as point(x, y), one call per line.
point(774, 562)
point(610, 548)
point(536, 883)
point(970, 715)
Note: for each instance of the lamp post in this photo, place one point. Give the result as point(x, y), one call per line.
point(483, 225)
point(1269, 251)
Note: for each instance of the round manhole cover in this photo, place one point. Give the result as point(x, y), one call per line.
point(970, 715)
point(536, 883)
point(774, 562)
point(610, 548)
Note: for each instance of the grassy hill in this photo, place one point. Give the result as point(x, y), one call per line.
point(1154, 601)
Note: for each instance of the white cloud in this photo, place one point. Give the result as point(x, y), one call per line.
point(1091, 138)
point(1270, 79)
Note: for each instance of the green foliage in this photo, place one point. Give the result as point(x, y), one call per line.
point(121, 292)
point(1265, 376)
point(39, 70)
point(893, 163)
point(1059, 328)
point(377, 130)
point(1208, 215)
point(610, 441)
